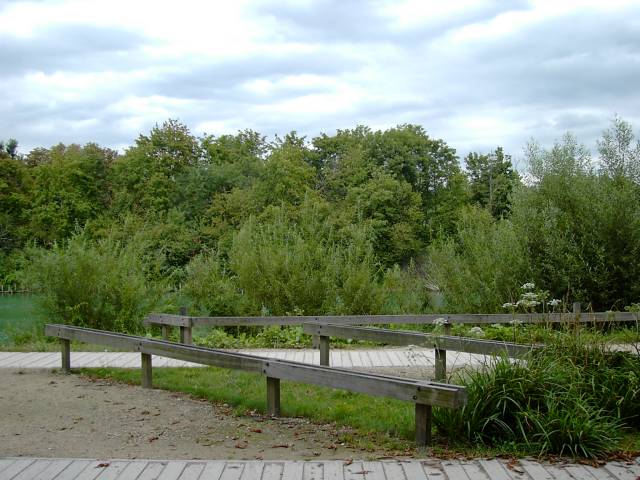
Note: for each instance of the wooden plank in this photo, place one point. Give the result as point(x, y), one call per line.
point(402, 337)
point(292, 470)
point(32, 470)
point(5, 462)
point(598, 473)
point(354, 471)
point(271, 471)
point(495, 470)
point(334, 470)
point(375, 471)
point(414, 470)
point(441, 365)
point(232, 471)
point(172, 470)
point(252, 471)
point(15, 468)
point(394, 471)
point(114, 470)
point(557, 473)
point(428, 393)
point(474, 318)
point(619, 471)
point(213, 470)
point(91, 471)
point(578, 471)
point(454, 471)
point(73, 470)
point(475, 471)
point(54, 468)
point(192, 471)
point(312, 471)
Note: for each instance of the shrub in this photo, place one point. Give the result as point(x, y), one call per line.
point(98, 284)
point(569, 398)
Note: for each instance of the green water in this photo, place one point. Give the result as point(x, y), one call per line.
point(18, 314)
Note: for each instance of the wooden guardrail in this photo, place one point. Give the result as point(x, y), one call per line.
point(423, 393)
point(186, 323)
point(440, 343)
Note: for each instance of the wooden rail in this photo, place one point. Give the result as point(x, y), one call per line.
point(441, 343)
point(423, 393)
point(186, 323)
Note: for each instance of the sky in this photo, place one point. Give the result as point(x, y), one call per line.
point(477, 74)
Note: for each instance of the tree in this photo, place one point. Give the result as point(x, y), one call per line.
point(146, 177)
point(491, 181)
point(619, 157)
point(9, 149)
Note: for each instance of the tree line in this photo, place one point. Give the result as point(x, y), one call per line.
point(361, 221)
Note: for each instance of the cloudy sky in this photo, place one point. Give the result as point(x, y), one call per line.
point(475, 73)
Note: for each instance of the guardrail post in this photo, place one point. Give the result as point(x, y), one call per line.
point(147, 374)
point(576, 315)
point(65, 350)
point(441, 365)
point(423, 425)
point(324, 350)
point(273, 396)
point(185, 332)
point(166, 331)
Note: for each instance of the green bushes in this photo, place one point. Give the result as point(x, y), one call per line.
point(103, 284)
point(570, 398)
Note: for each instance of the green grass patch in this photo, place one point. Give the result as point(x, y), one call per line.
point(376, 421)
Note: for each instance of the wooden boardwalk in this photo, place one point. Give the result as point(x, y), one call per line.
point(79, 469)
point(387, 357)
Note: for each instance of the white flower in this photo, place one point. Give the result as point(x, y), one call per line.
point(439, 322)
point(530, 296)
point(528, 286)
point(496, 325)
point(477, 332)
point(515, 322)
point(555, 302)
point(509, 305)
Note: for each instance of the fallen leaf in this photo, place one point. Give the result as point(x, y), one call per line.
point(256, 430)
point(243, 444)
point(280, 445)
point(363, 472)
point(259, 457)
point(102, 465)
point(348, 461)
point(153, 439)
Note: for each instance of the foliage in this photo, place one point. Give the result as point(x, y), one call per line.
point(103, 284)
point(478, 267)
point(569, 398)
point(492, 180)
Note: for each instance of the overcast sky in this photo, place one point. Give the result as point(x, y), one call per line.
point(476, 73)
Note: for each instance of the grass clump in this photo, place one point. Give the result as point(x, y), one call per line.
point(569, 398)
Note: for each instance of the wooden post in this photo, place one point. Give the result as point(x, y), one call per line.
point(185, 332)
point(447, 328)
point(147, 374)
point(65, 350)
point(315, 341)
point(441, 365)
point(273, 396)
point(324, 350)
point(166, 332)
point(576, 315)
point(423, 425)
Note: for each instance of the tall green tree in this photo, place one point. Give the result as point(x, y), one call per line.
point(492, 180)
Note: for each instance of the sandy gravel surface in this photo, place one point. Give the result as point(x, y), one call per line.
point(44, 414)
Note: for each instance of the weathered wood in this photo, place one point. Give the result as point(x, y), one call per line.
point(185, 331)
point(403, 337)
point(471, 318)
point(166, 332)
point(431, 393)
point(324, 351)
point(65, 350)
point(273, 396)
point(441, 365)
point(423, 424)
point(147, 373)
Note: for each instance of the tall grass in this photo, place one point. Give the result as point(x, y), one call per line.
point(570, 398)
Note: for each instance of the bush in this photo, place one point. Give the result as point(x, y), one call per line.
point(570, 398)
point(99, 284)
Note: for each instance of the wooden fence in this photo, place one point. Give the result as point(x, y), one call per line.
point(186, 323)
point(13, 290)
point(423, 394)
point(440, 343)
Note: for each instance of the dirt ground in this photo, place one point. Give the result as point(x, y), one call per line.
point(47, 414)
